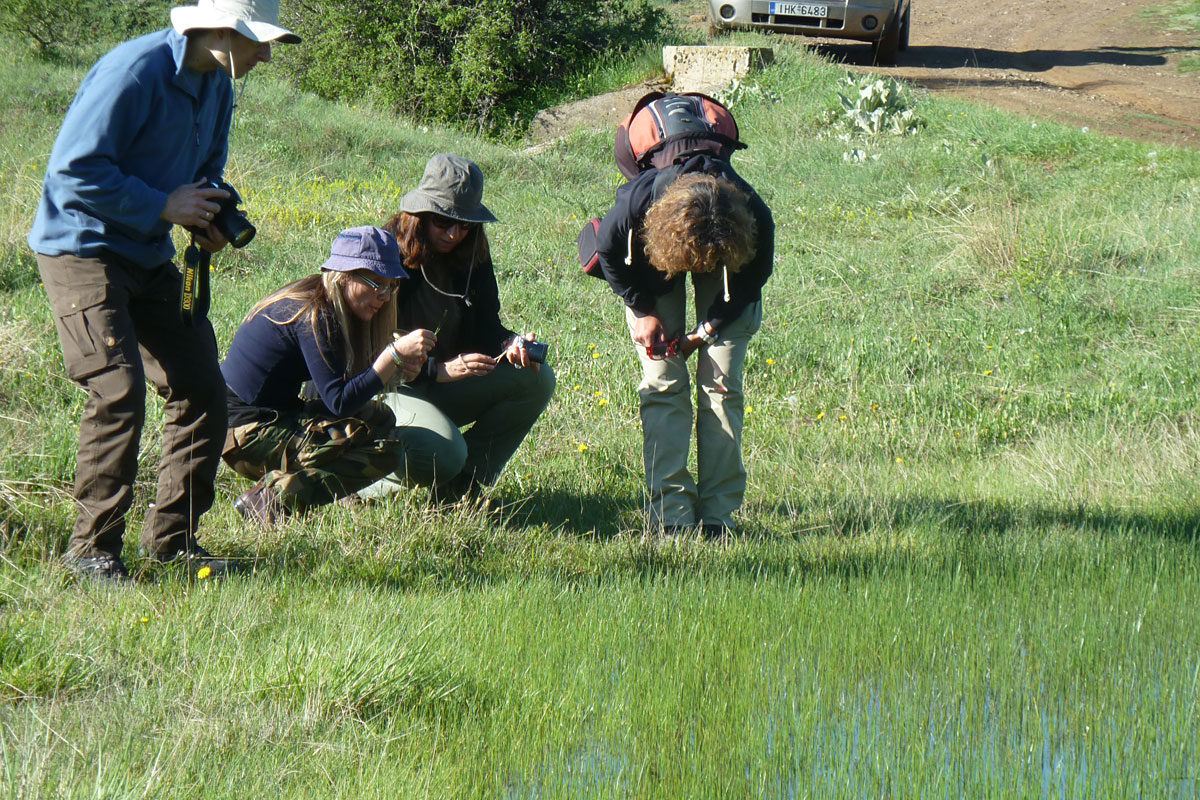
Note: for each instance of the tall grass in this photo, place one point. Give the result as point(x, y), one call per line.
point(969, 552)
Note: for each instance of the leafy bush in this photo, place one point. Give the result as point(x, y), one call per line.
point(52, 25)
point(481, 64)
point(874, 106)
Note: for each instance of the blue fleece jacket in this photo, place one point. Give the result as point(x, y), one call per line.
point(142, 124)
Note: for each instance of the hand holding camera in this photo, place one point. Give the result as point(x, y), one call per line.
point(210, 210)
point(526, 351)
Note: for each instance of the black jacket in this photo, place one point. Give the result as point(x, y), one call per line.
point(623, 258)
point(479, 327)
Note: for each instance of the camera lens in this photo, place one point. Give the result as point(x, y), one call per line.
point(236, 228)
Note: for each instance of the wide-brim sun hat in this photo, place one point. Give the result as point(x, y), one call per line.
point(255, 19)
point(452, 186)
point(369, 248)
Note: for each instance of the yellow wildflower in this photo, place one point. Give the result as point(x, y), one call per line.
point(203, 572)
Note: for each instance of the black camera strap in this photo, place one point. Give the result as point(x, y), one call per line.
point(194, 294)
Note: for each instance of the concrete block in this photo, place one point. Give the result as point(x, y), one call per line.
point(710, 69)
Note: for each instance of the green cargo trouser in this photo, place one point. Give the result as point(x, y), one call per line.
point(500, 407)
point(310, 461)
point(666, 412)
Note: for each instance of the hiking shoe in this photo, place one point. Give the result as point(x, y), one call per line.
point(200, 563)
point(260, 506)
point(102, 567)
point(716, 532)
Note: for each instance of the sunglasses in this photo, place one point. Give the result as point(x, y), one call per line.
point(445, 223)
point(384, 292)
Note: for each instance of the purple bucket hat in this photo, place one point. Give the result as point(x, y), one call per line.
point(366, 247)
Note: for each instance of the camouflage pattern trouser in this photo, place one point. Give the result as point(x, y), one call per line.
point(310, 461)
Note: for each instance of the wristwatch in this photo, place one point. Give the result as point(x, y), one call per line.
point(702, 333)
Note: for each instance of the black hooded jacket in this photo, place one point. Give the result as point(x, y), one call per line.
point(622, 251)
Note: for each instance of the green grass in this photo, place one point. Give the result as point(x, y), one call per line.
point(970, 551)
point(1179, 15)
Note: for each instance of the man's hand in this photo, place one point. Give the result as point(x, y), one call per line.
point(194, 207)
point(465, 366)
point(209, 238)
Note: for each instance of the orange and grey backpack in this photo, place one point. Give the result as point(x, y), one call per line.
point(661, 131)
point(664, 129)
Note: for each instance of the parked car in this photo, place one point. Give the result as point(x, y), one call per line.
point(884, 23)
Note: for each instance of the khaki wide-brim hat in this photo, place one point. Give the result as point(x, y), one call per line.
point(452, 186)
point(255, 19)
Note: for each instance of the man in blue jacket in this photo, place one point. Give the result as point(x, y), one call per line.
point(148, 128)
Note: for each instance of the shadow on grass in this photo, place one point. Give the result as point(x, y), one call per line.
point(576, 538)
point(947, 57)
point(842, 516)
point(599, 515)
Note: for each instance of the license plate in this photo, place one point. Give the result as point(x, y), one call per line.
point(799, 10)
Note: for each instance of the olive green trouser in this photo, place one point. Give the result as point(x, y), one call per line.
point(309, 461)
point(500, 408)
point(119, 326)
point(666, 412)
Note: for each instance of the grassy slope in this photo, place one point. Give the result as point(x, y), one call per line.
point(970, 560)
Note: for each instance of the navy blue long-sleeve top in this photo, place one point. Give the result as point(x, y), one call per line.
point(267, 364)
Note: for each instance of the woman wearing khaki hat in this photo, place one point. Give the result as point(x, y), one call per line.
point(479, 373)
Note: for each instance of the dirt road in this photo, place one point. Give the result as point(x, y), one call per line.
point(1095, 63)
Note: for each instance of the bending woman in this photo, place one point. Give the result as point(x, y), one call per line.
point(478, 373)
point(696, 217)
point(333, 328)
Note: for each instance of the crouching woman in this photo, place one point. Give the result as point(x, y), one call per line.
point(334, 329)
point(479, 374)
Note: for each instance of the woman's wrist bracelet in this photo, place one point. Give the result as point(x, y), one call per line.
point(396, 357)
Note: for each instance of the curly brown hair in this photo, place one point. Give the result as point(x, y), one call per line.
point(701, 222)
point(409, 230)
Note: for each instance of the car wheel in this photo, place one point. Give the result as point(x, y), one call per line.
point(886, 47)
point(905, 28)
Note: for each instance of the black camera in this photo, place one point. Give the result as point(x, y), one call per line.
point(535, 350)
point(230, 220)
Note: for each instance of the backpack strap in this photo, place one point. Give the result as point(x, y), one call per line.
point(660, 120)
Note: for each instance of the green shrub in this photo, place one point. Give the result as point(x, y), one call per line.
point(481, 65)
point(53, 25)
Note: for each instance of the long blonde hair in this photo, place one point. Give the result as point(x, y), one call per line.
point(322, 299)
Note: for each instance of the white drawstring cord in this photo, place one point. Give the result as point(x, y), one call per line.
point(725, 274)
point(629, 249)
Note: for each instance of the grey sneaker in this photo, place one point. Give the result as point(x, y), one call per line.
point(99, 567)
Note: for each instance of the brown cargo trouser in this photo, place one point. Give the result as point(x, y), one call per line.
point(119, 325)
